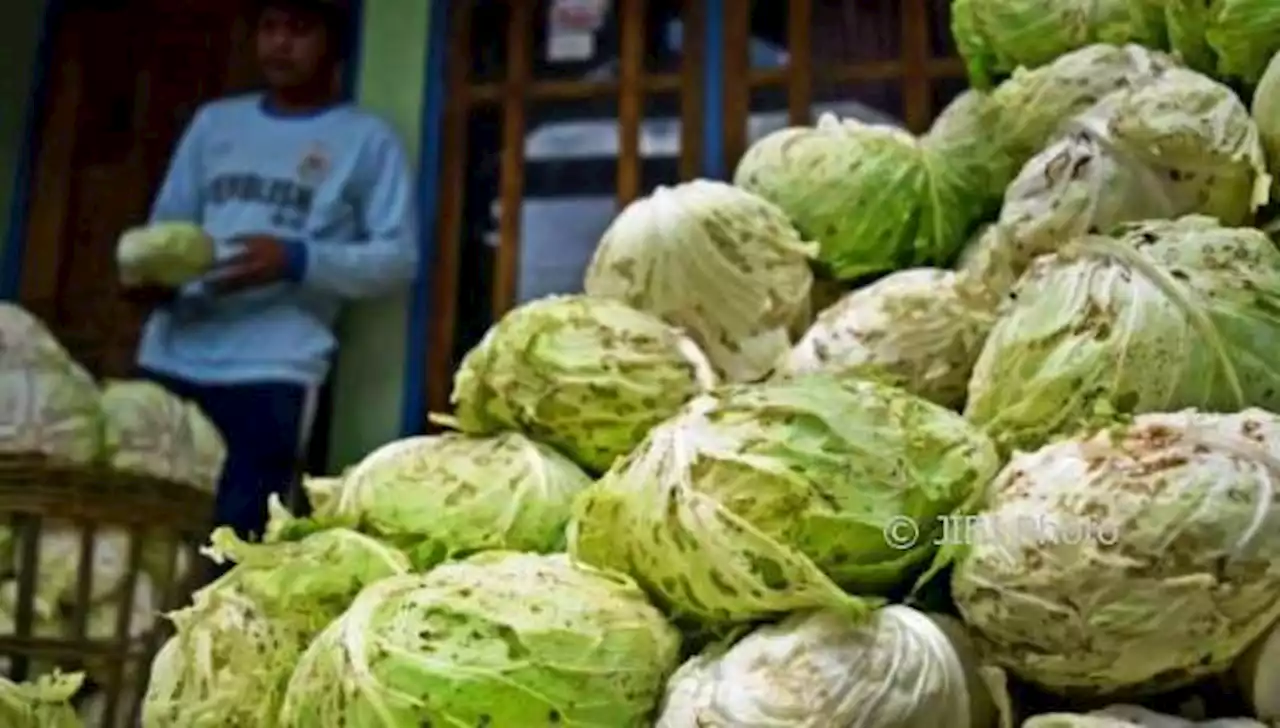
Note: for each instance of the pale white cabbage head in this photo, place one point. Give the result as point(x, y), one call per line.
point(51, 407)
point(920, 329)
point(1034, 103)
point(721, 263)
point(1258, 675)
point(226, 664)
point(1155, 558)
point(58, 566)
point(25, 341)
point(154, 432)
point(1176, 145)
point(1131, 716)
point(897, 669)
point(167, 253)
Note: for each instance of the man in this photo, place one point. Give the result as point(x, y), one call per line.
point(311, 203)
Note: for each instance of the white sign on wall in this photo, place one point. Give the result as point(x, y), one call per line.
point(572, 27)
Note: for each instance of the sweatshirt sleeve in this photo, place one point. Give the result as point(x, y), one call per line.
point(180, 198)
point(388, 256)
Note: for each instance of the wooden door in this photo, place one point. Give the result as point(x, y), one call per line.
point(125, 78)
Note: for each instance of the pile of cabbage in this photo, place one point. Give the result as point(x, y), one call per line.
point(1022, 472)
point(51, 407)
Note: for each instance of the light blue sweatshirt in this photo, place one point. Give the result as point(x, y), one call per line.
point(335, 185)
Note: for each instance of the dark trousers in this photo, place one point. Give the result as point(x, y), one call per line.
point(263, 425)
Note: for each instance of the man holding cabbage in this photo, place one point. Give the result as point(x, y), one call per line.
point(277, 208)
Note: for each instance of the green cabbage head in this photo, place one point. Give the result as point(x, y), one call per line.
point(962, 135)
point(874, 197)
point(588, 376)
point(237, 643)
point(760, 500)
point(822, 669)
point(716, 260)
point(1139, 558)
point(1230, 39)
point(920, 329)
point(153, 432)
point(443, 496)
point(167, 254)
point(500, 639)
point(996, 37)
point(43, 703)
point(1170, 314)
point(1034, 103)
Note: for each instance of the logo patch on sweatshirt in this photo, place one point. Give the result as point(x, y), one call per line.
point(314, 165)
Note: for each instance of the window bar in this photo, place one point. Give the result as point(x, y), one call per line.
point(511, 181)
point(630, 98)
point(916, 83)
point(691, 70)
point(453, 159)
point(799, 62)
point(737, 80)
point(491, 94)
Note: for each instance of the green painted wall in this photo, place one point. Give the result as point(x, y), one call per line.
point(22, 18)
point(369, 381)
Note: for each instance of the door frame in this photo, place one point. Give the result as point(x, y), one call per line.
point(14, 254)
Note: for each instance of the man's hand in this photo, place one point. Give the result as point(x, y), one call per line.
point(261, 261)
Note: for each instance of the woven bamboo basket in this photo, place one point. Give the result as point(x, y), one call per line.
point(163, 525)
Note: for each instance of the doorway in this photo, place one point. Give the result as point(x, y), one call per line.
point(124, 78)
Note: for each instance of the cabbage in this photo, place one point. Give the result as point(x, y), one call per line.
point(1131, 716)
point(237, 643)
point(961, 134)
point(1171, 314)
point(153, 432)
point(500, 639)
point(51, 407)
point(920, 329)
point(819, 669)
point(444, 496)
point(874, 197)
point(718, 261)
point(24, 340)
point(44, 703)
point(760, 500)
point(1266, 111)
point(1231, 39)
point(1257, 674)
point(1179, 144)
point(588, 376)
point(1033, 105)
point(1185, 582)
point(322, 492)
point(996, 37)
point(168, 254)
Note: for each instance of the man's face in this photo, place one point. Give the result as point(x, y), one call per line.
point(292, 47)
